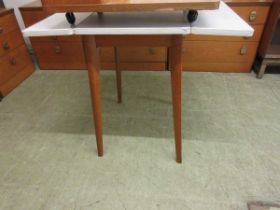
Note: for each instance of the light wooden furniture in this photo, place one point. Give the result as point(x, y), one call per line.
point(228, 54)
point(15, 61)
point(240, 54)
point(137, 30)
point(269, 51)
point(58, 50)
point(128, 5)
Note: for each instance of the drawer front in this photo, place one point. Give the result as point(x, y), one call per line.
point(138, 54)
point(218, 67)
point(10, 41)
point(12, 83)
point(219, 52)
point(256, 37)
point(8, 23)
point(253, 14)
point(14, 62)
point(60, 56)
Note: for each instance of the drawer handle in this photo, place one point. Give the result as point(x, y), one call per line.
point(243, 50)
point(57, 50)
point(6, 46)
point(1, 30)
point(13, 61)
point(152, 51)
point(253, 16)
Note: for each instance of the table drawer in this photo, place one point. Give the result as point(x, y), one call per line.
point(12, 63)
point(219, 52)
point(252, 14)
point(8, 23)
point(256, 37)
point(60, 56)
point(139, 54)
point(10, 41)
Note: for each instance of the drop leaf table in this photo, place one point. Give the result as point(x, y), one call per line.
point(123, 23)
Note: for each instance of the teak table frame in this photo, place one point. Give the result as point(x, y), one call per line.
point(115, 31)
point(172, 42)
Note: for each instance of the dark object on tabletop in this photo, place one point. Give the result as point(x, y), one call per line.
point(269, 49)
point(71, 18)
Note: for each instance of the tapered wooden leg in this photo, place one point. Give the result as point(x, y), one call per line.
point(175, 53)
point(118, 75)
point(93, 66)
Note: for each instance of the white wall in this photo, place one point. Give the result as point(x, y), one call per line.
point(15, 4)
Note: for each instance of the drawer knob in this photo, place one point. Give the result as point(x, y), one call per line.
point(13, 61)
point(243, 50)
point(6, 46)
point(253, 16)
point(57, 50)
point(152, 51)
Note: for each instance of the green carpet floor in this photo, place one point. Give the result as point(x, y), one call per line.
point(231, 146)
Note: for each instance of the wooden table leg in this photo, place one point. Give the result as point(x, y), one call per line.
point(118, 75)
point(176, 82)
point(93, 66)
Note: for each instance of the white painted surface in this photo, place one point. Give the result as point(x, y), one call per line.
point(216, 22)
point(55, 25)
point(223, 21)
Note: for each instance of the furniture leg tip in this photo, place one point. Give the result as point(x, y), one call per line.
point(179, 161)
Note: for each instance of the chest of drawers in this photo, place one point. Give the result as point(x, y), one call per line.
point(201, 53)
point(228, 54)
point(15, 61)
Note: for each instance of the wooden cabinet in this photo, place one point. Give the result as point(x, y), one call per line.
point(58, 53)
point(15, 61)
point(228, 54)
point(201, 53)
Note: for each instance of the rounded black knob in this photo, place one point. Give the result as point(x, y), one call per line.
point(192, 15)
point(70, 18)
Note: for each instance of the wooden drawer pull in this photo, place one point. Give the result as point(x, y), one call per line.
point(57, 50)
point(6, 46)
point(253, 16)
point(13, 61)
point(243, 50)
point(152, 51)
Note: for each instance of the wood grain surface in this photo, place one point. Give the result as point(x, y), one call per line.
point(127, 5)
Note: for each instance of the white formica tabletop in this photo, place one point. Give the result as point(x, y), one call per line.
point(223, 21)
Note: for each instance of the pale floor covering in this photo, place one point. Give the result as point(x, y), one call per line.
point(231, 145)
